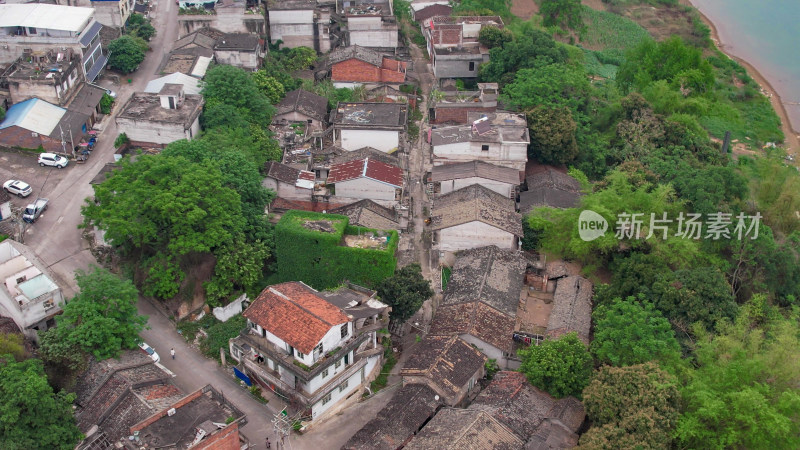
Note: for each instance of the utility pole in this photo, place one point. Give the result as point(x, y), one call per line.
point(283, 426)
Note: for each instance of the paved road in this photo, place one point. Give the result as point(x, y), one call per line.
point(55, 237)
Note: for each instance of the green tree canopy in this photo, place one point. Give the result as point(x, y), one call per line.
point(552, 86)
point(405, 292)
point(561, 366)
point(744, 392)
point(689, 296)
point(126, 53)
point(12, 344)
point(102, 319)
point(31, 414)
point(680, 64)
point(562, 13)
point(628, 332)
point(492, 36)
point(552, 134)
point(530, 49)
point(165, 208)
point(631, 407)
point(234, 86)
point(269, 86)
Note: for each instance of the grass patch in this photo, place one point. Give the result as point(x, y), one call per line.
point(188, 329)
point(446, 272)
point(219, 334)
point(382, 379)
point(608, 30)
point(3, 237)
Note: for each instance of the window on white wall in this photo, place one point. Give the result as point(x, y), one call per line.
point(345, 331)
point(326, 399)
point(324, 373)
point(343, 386)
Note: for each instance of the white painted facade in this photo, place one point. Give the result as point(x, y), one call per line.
point(244, 59)
point(295, 27)
point(344, 388)
point(384, 140)
point(505, 189)
point(28, 295)
point(473, 235)
point(488, 349)
point(508, 154)
point(366, 188)
point(161, 133)
point(370, 31)
point(286, 190)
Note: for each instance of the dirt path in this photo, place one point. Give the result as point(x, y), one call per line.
point(524, 9)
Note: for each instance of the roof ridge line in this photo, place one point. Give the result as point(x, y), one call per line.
point(282, 295)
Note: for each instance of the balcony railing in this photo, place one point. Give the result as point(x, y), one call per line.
point(263, 345)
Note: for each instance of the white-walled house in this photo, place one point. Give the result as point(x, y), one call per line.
point(496, 138)
point(366, 179)
point(452, 177)
point(377, 125)
point(28, 294)
point(317, 348)
point(472, 217)
point(155, 120)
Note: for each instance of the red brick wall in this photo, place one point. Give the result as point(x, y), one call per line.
point(224, 439)
point(457, 115)
point(355, 70)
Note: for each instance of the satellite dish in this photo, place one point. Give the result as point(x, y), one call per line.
point(436, 397)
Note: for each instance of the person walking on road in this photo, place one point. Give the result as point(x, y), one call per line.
point(172, 352)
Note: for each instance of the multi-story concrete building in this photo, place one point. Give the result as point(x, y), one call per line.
point(33, 29)
point(111, 13)
point(453, 44)
point(319, 349)
point(155, 120)
point(371, 25)
point(300, 23)
point(378, 125)
point(28, 293)
point(496, 138)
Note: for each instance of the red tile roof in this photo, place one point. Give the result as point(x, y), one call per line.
point(369, 168)
point(295, 313)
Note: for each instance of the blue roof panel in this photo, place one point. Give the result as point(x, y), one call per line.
point(90, 33)
point(17, 112)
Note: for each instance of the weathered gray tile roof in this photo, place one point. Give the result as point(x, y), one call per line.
point(489, 275)
point(281, 172)
point(529, 411)
point(367, 213)
point(572, 308)
point(341, 155)
point(552, 188)
point(459, 429)
point(304, 102)
point(400, 419)
point(476, 203)
point(237, 41)
point(476, 319)
point(478, 169)
point(447, 361)
point(367, 55)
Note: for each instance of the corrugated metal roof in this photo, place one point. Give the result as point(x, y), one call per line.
point(34, 115)
point(191, 85)
point(199, 69)
point(50, 17)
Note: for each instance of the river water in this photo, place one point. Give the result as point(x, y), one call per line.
point(765, 33)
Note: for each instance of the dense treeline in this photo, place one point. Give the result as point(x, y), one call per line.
point(690, 326)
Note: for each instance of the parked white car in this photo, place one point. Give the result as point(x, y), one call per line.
point(150, 351)
point(51, 159)
point(18, 188)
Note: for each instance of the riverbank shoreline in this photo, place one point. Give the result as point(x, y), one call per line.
point(791, 136)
